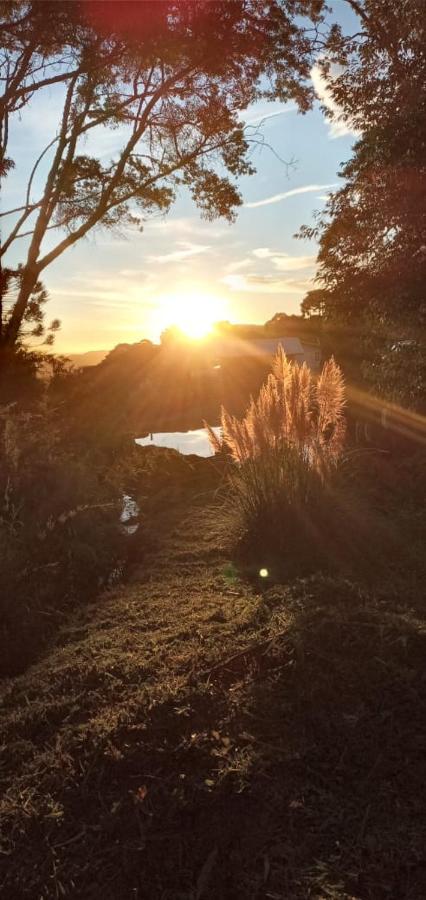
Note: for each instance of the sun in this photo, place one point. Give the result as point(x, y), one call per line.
point(193, 312)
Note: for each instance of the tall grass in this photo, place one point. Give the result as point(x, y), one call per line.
point(285, 451)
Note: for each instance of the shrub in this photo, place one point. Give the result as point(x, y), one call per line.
point(59, 533)
point(284, 453)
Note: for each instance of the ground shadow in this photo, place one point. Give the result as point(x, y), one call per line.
point(294, 769)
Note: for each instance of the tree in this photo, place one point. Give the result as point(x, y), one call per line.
point(172, 76)
point(372, 235)
point(33, 326)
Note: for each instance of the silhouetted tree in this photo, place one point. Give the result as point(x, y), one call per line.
point(172, 76)
point(33, 330)
point(372, 234)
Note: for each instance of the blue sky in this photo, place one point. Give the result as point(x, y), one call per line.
point(109, 289)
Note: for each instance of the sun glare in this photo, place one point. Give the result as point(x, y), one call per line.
point(193, 312)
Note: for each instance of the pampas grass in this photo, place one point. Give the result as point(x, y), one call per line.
point(285, 451)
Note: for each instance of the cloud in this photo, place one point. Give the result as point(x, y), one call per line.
point(339, 126)
point(183, 225)
point(188, 249)
point(140, 274)
point(276, 198)
point(282, 261)
point(238, 264)
point(285, 263)
point(107, 299)
point(266, 284)
point(262, 252)
point(261, 112)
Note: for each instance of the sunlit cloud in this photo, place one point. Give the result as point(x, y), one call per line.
point(339, 125)
point(183, 225)
point(283, 261)
point(266, 284)
point(238, 264)
point(293, 263)
point(141, 274)
point(187, 250)
point(276, 198)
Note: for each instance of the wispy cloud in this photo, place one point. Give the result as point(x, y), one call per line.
point(266, 284)
point(283, 262)
point(276, 198)
point(339, 125)
point(187, 250)
point(180, 226)
point(261, 112)
point(140, 274)
point(107, 299)
point(238, 264)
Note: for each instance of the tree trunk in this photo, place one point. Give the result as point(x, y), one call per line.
point(11, 330)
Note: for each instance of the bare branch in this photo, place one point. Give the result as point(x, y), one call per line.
point(34, 169)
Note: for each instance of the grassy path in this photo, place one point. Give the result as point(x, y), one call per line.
point(194, 736)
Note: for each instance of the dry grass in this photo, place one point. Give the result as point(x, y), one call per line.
point(293, 412)
point(285, 452)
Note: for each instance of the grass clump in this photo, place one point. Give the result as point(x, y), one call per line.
point(285, 453)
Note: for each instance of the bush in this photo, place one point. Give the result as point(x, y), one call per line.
point(285, 451)
point(59, 530)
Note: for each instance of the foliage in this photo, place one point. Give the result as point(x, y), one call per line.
point(59, 529)
point(399, 373)
point(372, 253)
point(171, 78)
point(33, 326)
point(285, 450)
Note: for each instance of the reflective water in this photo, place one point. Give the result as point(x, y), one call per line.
point(185, 441)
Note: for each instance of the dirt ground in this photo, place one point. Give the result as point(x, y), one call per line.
point(196, 734)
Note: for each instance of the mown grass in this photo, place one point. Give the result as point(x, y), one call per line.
point(199, 735)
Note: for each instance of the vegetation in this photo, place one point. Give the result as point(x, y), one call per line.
point(59, 528)
point(242, 716)
point(372, 254)
point(172, 78)
point(196, 733)
point(286, 450)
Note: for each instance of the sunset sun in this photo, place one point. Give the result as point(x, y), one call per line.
point(193, 312)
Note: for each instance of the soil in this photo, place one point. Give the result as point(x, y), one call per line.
point(195, 734)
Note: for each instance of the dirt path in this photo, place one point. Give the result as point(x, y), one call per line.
point(194, 737)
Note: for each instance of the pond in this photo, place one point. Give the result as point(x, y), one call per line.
point(184, 441)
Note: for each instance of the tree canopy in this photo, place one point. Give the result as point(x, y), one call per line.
point(171, 78)
point(372, 234)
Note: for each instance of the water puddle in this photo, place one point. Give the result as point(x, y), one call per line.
point(186, 442)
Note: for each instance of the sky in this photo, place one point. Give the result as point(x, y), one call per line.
point(111, 289)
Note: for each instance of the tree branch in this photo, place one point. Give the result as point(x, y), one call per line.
point(103, 204)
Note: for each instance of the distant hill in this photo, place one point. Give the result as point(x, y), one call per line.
point(91, 358)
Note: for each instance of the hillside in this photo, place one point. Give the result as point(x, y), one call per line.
point(198, 733)
point(90, 358)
